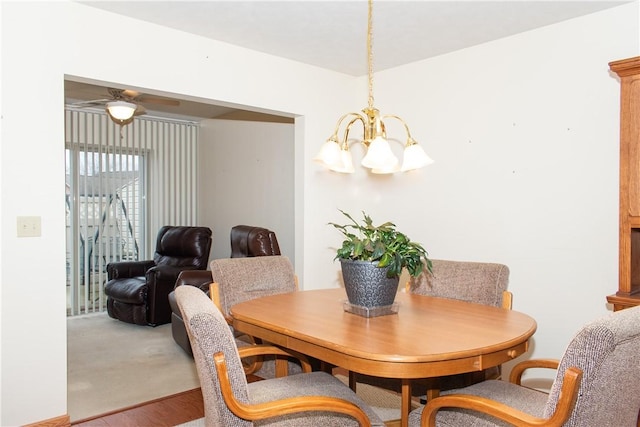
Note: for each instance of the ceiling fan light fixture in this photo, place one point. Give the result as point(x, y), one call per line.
point(121, 111)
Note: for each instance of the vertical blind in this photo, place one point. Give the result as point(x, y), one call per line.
point(122, 185)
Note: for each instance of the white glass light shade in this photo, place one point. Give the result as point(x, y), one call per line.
point(121, 110)
point(393, 169)
point(414, 158)
point(379, 155)
point(329, 153)
point(334, 158)
point(346, 163)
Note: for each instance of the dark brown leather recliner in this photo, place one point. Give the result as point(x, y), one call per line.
point(137, 291)
point(246, 241)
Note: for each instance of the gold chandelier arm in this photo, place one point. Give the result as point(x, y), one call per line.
point(410, 140)
point(345, 142)
point(339, 122)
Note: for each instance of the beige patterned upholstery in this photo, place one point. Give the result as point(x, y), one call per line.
point(241, 279)
point(478, 282)
point(210, 334)
point(607, 351)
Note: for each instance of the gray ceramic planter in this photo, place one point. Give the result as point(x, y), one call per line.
point(367, 285)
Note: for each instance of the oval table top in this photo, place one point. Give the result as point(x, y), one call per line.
point(427, 337)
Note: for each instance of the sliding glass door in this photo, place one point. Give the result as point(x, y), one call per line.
point(122, 185)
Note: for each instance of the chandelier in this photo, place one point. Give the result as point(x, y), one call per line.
point(335, 154)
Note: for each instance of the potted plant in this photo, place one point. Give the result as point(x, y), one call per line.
point(372, 259)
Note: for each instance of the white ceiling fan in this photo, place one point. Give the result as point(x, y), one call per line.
point(124, 104)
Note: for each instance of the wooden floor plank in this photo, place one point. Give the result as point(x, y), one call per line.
point(167, 411)
point(164, 412)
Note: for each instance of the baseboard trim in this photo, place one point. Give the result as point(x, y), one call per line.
point(61, 421)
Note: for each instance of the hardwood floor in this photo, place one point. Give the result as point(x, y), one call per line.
point(167, 411)
point(164, 412)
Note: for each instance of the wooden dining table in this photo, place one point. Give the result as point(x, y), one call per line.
point(426, 337)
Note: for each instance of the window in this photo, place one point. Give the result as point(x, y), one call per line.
point(122, 185)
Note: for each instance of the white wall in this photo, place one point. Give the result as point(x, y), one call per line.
point(524, 134)
point(530, 125)
point(42, 42)
point(523, 131)
point(246, 176)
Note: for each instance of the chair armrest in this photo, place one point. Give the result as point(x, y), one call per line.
point(198, 278)
point(164, 273)
point(517, 371)
point(507, 300)
point(124, 269)
point(272, 350)
point(564, 407)
point(292, 405)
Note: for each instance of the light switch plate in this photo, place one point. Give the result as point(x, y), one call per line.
point(29, 226)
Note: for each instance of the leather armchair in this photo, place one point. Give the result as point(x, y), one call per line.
point(246, 241)
point(137, 291)
point(201, 280)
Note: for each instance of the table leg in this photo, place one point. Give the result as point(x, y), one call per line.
point(405, 405)
point(432, 394)
point(352, 380)
point(326, 367)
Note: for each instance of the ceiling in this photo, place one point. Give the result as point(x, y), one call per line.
point(332, 34)
point(77, 93)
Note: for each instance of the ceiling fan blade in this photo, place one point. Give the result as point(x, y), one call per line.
point(130, 93)
point(91, 103)
point(157, 100)
point(140, 111)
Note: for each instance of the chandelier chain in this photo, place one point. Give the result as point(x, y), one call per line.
point(370, 52)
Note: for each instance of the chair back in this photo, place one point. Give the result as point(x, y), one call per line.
point(243, 279)
point(608, 352)
point(182, 246)
point(249, 241)
point(209, 333)
point(478, 282)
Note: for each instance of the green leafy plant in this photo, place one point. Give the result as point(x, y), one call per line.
point(382, 243)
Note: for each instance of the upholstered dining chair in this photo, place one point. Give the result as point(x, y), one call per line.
point(477, 282)
point(597, 384)
point(137, 291)
point(236, 280)
point(305, 399)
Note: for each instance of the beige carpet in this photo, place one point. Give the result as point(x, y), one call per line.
point(113, 365)
point(385, 403)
